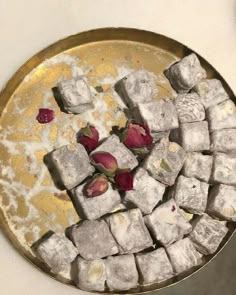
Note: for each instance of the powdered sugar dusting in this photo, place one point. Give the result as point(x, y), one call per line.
point(29, 195)
point(66, 126)
point(61, 58)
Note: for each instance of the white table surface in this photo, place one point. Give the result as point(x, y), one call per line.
point(26, 26)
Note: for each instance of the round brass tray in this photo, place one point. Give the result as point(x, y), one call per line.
point(30, 204)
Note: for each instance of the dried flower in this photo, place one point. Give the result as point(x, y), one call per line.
point(124, 180)
point(104, 162)
point(137, 136)
point(98, 186)
point(45, 116)
point(89, 137)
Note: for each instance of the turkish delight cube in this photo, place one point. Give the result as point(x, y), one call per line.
point(183, 255)
point(195, 136)
point(146, 193)
point(72, 164)
point(222, 116)
point(186, 73)
point(191, 194)
point(222, 202)
point(96, 207)
point(224, 169)
point(91, 275)
point(137, 87)
point(189, 108)
point(124, 156)
point(223, 140)
point(211, 92)
point(198, 165)
point(157, 136)
point(165, 161)
point(129, 231)
point(121, 272)
point(167, 224)
point(76, 95)
point(207, 234)
point(57, 252)
point(93, 239)
point(154, 266)
point(159, 115)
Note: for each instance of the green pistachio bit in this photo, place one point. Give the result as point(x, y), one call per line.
point(164, 165)
point(140, 151)
point(95, 272)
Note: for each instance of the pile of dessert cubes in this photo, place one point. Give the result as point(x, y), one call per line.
point(184, 189)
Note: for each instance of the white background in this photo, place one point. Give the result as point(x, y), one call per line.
point(27, 26)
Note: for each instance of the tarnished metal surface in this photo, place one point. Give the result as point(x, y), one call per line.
point(30, 203)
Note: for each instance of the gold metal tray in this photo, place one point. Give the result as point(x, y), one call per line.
point(30, 204)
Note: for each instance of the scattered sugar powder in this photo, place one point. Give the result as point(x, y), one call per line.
point(66, 125)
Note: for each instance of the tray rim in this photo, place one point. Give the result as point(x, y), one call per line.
point(57, 47)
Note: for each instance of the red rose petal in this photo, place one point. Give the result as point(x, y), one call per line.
point(98, 186)
point(89, 143)
point(45, 116)
point(137, 136)
point(105, 162)
point(89, 138)
point(95, 134)
point(124, 181)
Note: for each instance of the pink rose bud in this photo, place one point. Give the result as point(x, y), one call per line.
point(45, 116)
point(137, 136)
point(124, 181)
point(104, 162)
point(89, 137)
point(97, 187)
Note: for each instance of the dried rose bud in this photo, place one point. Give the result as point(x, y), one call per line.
point(124, 180)
point(97, 187)
point(89, 137)
point(137, 136)
point(45, 116)
point(104, 162)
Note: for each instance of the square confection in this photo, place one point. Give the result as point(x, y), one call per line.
point(186, 73)
point(124, 156)
point(191, 194)
point(183, 255)
point(211, 92)
point(96, 207)
point(194, 137)
point(72, 164)
point(146, 193)
point(189, 108)
point(93, 239)
point(223, 140)
point(154, 266)
point(121, 272)
point(222, 202)
point(165, 161)
point(157, 136)
point(207, 234)
point(76, 95)
point(198, 165)
point(57, 252)
point(159, 115)
point(224, 169)
point(137, 87)
point(222, 116)
point(167, 224)
point(129, 231)
point(91, 275)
